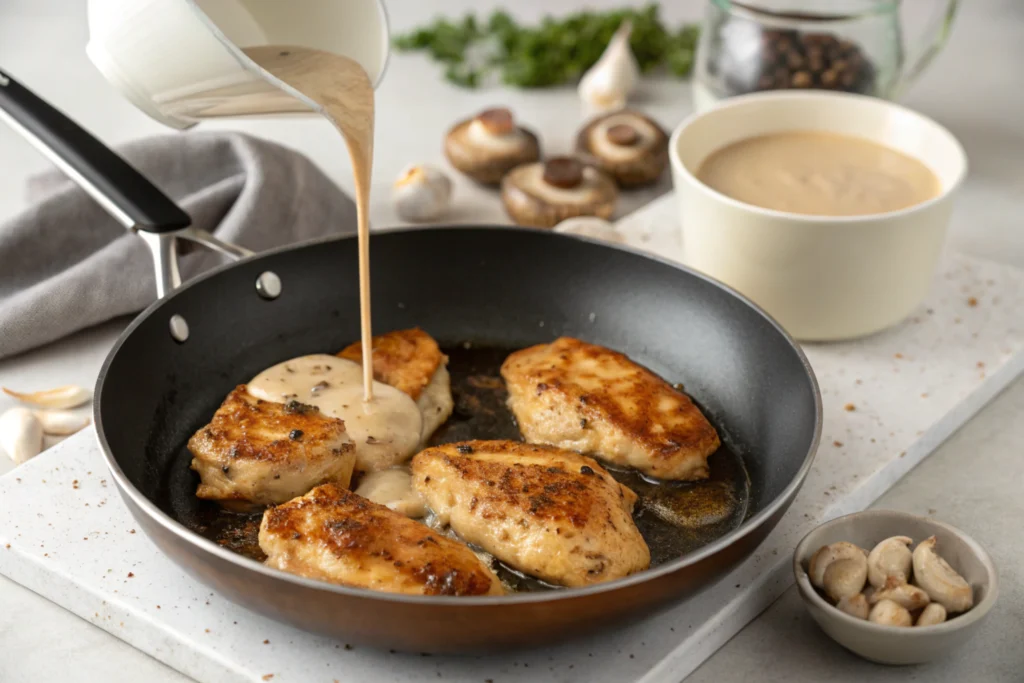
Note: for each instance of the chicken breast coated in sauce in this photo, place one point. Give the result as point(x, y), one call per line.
point(547, 512)
point(335, 535)
point(597, 401)
point(257, 452)
point(412, 362)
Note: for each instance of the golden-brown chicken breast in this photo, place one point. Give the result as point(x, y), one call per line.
point(412, 362)
point(547, 512)
point(596, 401)
point(260, 452)
point(334, 535)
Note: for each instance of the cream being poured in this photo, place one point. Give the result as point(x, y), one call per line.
point(386, 431)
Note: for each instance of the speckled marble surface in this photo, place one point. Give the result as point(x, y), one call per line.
point(889, 401)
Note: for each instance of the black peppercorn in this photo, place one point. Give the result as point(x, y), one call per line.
point(786, 59)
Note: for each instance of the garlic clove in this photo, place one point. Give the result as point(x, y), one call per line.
point(68, 396)
point(591, 226)
point(845, 578)
point(609, 82)
point(890, 558)
point(854, 605)
point(421, 193)
point(932, 614)
point(939, 580)
point(889, 613)
point(21, 434)
point(61, 422)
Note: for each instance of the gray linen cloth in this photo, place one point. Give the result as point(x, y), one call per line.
point(65, 264)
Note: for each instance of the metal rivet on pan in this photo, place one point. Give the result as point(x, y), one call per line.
point(268, 284)
point(179, 328)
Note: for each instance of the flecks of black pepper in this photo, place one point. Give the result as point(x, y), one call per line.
point(464, 449)
point(295, 434)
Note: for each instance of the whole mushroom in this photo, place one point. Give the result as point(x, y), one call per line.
point(627, 145)
point(543, 194)
point(490, 144)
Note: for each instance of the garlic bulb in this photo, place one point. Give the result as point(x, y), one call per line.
point(21, 434)
point(591, 226)
point(421, 193)
point(608, 84)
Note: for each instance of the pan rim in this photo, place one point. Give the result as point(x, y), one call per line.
point(185, 534)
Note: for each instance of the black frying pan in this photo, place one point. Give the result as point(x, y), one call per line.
point(497, 288)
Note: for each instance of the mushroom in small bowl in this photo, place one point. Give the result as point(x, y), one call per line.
point(543, 194)
point(490, 144)
point(627, 145)
point(893, 587)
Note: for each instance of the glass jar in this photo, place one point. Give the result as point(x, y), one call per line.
point(846, 45)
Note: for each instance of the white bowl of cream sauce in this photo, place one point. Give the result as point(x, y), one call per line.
point(829, 210)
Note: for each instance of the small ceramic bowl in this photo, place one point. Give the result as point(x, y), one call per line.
point(894, 644)
point(822, 277)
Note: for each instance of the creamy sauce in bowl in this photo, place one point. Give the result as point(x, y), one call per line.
point(386, 431)
point(818, 173)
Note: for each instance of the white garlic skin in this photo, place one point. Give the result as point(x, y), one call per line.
point(421, 193)
point(21, 434)
point(67, 396)
point(608, 84)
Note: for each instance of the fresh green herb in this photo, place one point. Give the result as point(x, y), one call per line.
point(554, 52)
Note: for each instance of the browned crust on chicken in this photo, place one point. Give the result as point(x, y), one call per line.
point(588, 398)
point(335, 535)
point(548, 512)
point(404, 359)
point(266, 452)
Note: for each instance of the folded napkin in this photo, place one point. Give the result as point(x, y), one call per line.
point(65, 264)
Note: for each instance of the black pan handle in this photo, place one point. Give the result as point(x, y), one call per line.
point(120, 189)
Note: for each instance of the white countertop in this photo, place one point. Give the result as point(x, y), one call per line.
point(975, 89)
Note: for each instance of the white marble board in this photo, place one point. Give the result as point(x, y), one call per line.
point(889, 400)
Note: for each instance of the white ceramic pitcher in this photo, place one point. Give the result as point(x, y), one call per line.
point(181, 61)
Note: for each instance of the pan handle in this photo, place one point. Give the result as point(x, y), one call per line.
point(115, 184)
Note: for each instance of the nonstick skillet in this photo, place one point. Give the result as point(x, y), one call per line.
point(492, 289)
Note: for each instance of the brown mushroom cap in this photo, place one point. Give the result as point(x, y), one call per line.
point(543, 194)
point(488, 145)
point(628, 145)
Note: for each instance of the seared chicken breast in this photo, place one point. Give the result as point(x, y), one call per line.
point(412, 362)
point(547, 512)
point(260, 452)
point(596, 401)
point(334, 535)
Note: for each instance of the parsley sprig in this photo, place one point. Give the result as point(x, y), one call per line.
point(554, 52)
